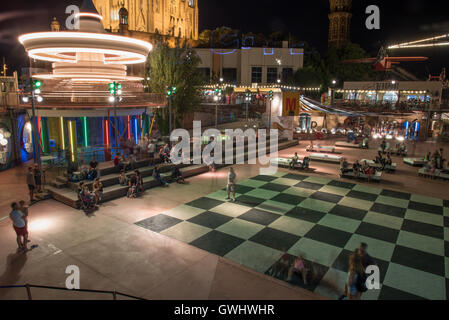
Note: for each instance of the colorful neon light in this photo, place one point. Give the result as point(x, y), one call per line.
point(136, 129)
point(86, 136)
point(72, 137)
point(62, 132)
point(129, 127)
point(106, 132)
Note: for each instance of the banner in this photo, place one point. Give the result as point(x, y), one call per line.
point(290, 104)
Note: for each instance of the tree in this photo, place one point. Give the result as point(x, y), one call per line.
point(348, 72)
point(174, 67)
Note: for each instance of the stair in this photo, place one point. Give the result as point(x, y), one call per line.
point(67, 193)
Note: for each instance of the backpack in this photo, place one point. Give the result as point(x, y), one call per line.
point(361, 283)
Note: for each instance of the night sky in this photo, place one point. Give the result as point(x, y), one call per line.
point(401, 20)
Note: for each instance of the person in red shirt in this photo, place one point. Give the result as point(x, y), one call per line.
point(117, 159)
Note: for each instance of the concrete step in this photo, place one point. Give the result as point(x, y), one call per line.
point(112, 190)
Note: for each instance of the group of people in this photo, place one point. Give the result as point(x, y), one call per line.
point(19, 218)
point(357, 168)
point(436, 161)
point(34, 179)
point(90, 199)
point(355, 285)
point(296, 163)
point(383, 161)
point(86, 172)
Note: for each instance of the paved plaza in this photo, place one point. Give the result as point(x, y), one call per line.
point(323, 220)
point(187, 242)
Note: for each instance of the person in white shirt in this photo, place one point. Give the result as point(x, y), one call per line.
point(231, 184)
point(20, 226)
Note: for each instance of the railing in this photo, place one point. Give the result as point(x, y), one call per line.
point(28, 288)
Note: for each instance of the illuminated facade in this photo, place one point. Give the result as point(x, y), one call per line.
point(340, 22)
point(176, 18)
point(251, 66)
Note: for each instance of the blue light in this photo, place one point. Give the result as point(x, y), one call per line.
point(295, 53)
point(136, 129)
point(268, 54)
point(223, 53)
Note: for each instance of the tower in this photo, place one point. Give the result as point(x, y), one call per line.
point(55, 26)
point(339, 22)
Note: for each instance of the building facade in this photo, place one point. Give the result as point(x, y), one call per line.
point(339, 22)
point(176, 18)
point(251, 66)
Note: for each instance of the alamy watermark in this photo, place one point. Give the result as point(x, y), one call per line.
point(73, 20)
point(213, 152)
point(373, 20)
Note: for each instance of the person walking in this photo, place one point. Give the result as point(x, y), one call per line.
point(20, 226)
point(38, 177)
point(356, 274)
point(31, 183)
point(231, 184)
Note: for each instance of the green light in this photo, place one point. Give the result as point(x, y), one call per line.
point(37, 84)
point(86, 142)
point(112, 91)
point(119, 86)
point(112, 86)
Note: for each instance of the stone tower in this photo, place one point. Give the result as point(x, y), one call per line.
point(340, 22)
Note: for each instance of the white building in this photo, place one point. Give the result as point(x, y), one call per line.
point(250, 66)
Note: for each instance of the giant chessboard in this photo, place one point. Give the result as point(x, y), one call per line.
point(276, 218)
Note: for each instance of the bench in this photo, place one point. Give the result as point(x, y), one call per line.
point(325, 158)
point(415, 162)
point(378, 166)
point(285, 163)
point(344, 144)
point(377, 177)
point(438, 174)
point(398, 152)
point(317, 148)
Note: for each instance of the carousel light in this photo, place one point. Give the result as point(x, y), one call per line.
point(4, 142)
point(39, 99)
point(111, 99)
point(389, 137)
point(25, 99)
point(400, 138)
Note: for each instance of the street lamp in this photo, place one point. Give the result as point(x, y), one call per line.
point(334, 82)
point(247, 100)
point(171, 92)
point(218, 94)
point(35, 91)
point(270, 94)
point(115, 89)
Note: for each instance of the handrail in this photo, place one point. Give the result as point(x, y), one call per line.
point(29, 286)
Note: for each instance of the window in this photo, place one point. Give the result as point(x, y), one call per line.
point(272, 75)
point(287, 73)
point(230, 75)
point(256, 75)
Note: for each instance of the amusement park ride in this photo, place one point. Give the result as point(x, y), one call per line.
point(383, 62)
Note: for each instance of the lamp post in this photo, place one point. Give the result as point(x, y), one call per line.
point(35, 86)
point(271, 102)
point(247, 100)
point(171, 92)
point(115, 89)
point(334, 82)
point(218, 94)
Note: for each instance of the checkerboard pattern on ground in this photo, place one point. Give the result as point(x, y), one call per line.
point(324, 220)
